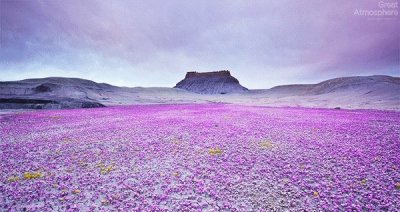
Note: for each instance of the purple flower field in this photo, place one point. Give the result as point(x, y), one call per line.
point(204, 157)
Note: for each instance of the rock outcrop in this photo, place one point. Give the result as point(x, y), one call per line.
point(217, 82)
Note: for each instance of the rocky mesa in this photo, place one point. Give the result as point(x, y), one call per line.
point(216, 82)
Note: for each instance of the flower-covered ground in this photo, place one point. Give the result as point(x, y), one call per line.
point(200, 157)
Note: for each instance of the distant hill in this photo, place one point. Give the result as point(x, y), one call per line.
point(59, 92)
point(369, 92)
point(376, 83)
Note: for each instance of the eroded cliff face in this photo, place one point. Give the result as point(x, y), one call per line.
point(216, 82)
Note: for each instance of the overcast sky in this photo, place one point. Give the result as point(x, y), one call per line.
point(155, 42)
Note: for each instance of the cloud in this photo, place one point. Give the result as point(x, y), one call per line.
point(153, 43)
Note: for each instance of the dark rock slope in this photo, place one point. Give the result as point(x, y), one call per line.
point(218, 82)
point(48, 93)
